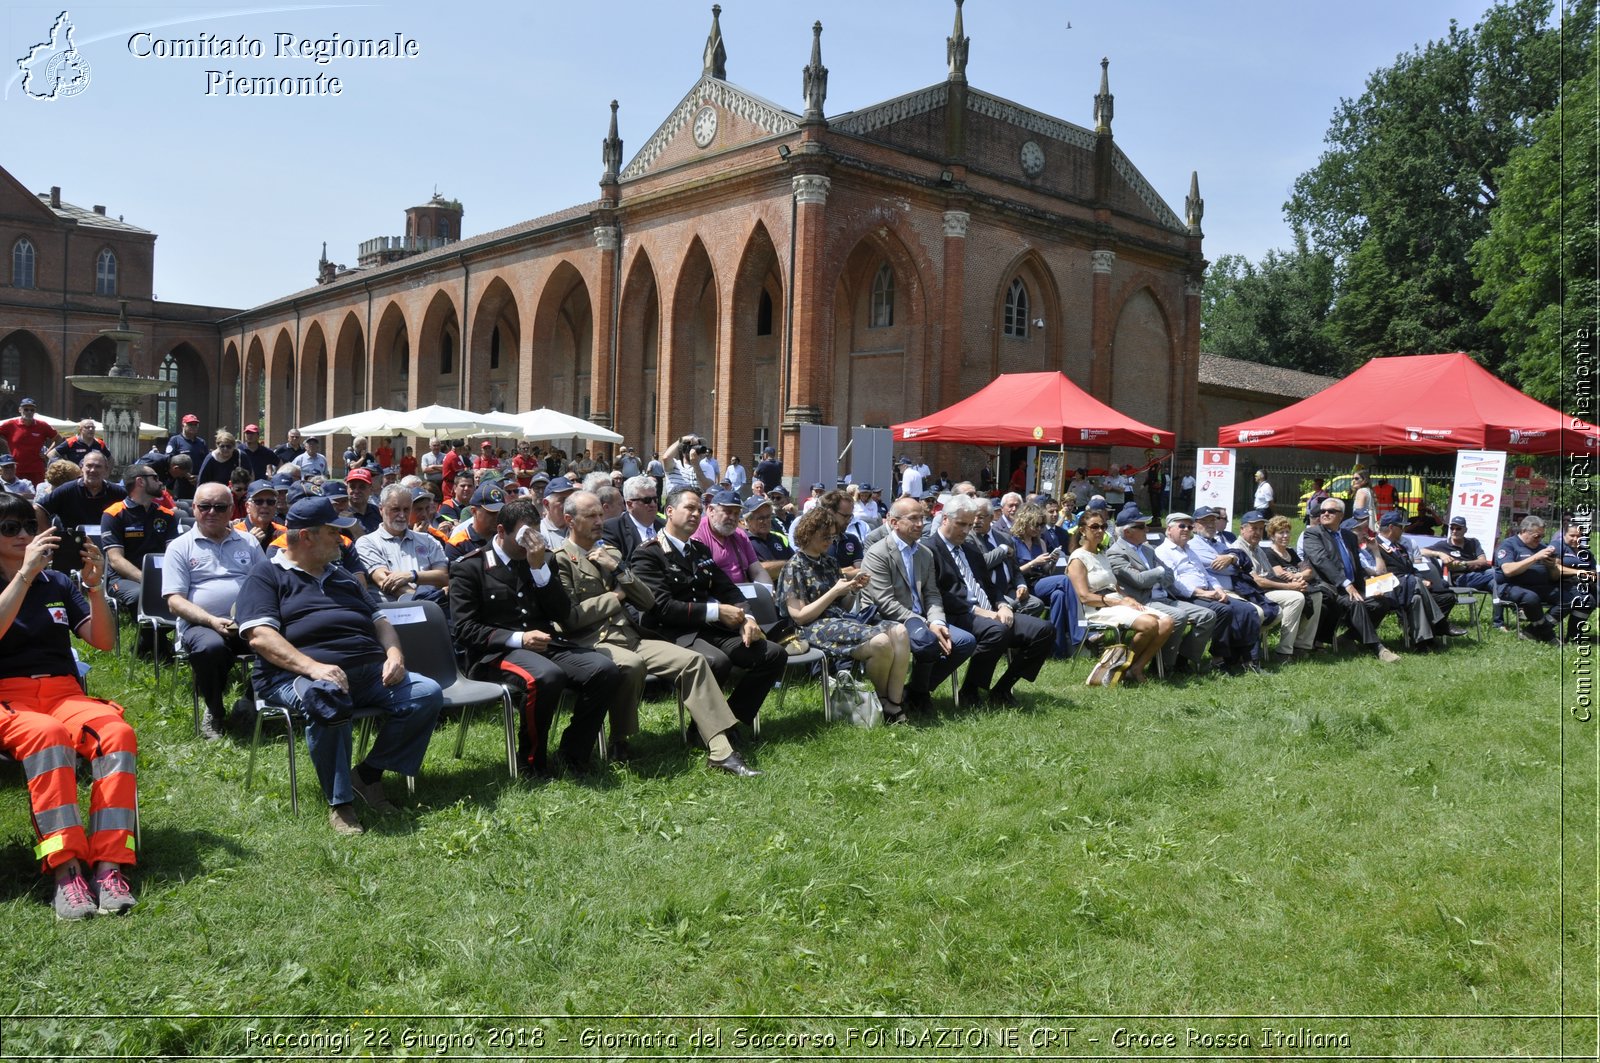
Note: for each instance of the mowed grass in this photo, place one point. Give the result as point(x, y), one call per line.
point(1335, 838)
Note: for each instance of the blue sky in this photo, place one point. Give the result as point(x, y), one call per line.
point(505, 106)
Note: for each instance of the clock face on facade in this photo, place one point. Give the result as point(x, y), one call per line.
point(1032, 159)
point(705, 126)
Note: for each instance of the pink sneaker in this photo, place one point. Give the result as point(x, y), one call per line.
point(115, 895)
point(74, 898)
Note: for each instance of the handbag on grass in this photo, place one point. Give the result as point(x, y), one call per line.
point(1107, 671)
point(853, 701)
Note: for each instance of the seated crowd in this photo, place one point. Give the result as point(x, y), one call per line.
point(591, 578)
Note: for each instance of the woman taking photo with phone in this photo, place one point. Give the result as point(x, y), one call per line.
point(47, 722)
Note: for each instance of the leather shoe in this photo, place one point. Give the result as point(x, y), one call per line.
point(372, 793)
point(1002, 699)
point(733, 764)
point(342, 818)
point(918, 701)
point(1458, 632)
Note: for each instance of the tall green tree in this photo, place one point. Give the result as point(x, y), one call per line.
point(1537, 262)
point(1275, 313)
point(1411, 175)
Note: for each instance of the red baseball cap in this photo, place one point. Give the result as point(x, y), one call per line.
point(190, 418)
point(364, 475)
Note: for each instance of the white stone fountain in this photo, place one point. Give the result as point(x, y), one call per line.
point(122, 392)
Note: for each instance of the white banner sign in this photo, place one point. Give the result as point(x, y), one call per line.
point(1480, 482)
point(1213, 479)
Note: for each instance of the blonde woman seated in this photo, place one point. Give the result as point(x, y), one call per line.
point(1096, 586)
point(819, 601)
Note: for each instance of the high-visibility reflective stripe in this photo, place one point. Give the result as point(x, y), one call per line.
point(111, 763)
point(56, 819)
point(110, 819)
point(47, 760)
point(48, 846)
point(130, 841)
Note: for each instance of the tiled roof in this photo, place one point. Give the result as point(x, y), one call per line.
point(85, 216)
point(1266, 379)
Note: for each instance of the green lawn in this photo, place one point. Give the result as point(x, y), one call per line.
point(1338, 838)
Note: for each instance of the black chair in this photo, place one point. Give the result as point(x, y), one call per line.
point(153, 611)
point(764, 607)
point(425, 640)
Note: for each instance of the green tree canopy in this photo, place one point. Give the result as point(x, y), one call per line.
point(1275, 313)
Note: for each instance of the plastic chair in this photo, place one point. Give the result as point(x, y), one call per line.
point(425, 640)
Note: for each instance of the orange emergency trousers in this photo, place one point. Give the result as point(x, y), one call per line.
point(47, 723)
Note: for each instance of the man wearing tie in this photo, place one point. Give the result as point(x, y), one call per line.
point(639, 522)
point(699, 607)
point(977, 605)
point(1332, 554)
point(901, 584)
point(505, 601)
point(606, 600)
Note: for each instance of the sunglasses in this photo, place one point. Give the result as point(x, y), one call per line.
point(1185, 526)
point(213, 507)
point(11, 528)
point(1094, 527)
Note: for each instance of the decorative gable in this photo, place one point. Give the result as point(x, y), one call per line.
point(672, 141)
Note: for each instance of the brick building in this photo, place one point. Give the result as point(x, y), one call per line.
point(752, 269)
point(64, 271)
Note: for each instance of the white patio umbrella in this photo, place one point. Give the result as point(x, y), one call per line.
point(545, 423)
point(448, 421)
point(377, 421)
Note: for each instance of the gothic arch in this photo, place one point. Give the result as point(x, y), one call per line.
point(563, 343)
point(254, 404)
point(639, 354)
point(312, 402)
point(280, 416)
point(877, 375)
point(688, 365)
point(755, 347)
point(391, 359)
point(348, 376)
point(1042, 349)
point(436, 368)
point(1143, 353)
point(496, 349)
point(228, 386)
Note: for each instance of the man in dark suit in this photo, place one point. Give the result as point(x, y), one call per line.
point(901, 584)
point(698, 606)
point(505, 601)
point(1334, 557)
point(639, 522)
point(976, 604)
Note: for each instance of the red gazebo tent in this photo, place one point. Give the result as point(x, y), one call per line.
point(1418, 404)
point(1032, 409)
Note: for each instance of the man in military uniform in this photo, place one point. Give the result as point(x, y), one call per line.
point(505, 603)
point(602, 588)
point(698, 607)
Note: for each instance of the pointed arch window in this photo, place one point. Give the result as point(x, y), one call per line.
point(402, 355)
point(22, 263)
point(882, 298)
point(494, 348)
point(167, 401)
point(764, 314)
point(105, 273)
point(447, 353)
point(1016, 320)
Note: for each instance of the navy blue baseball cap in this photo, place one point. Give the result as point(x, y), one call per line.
point(1129, 515)
point(303, 489)
point(726, 498)
point(755, 502)
point(1205, 511)
point(1391, 518)
point(559, 486)
point(1255, 516)
point(335, 489)
point(28, 402)
point(261, 487)
point(283, 481)
point(488, 497)
point(314, 512)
